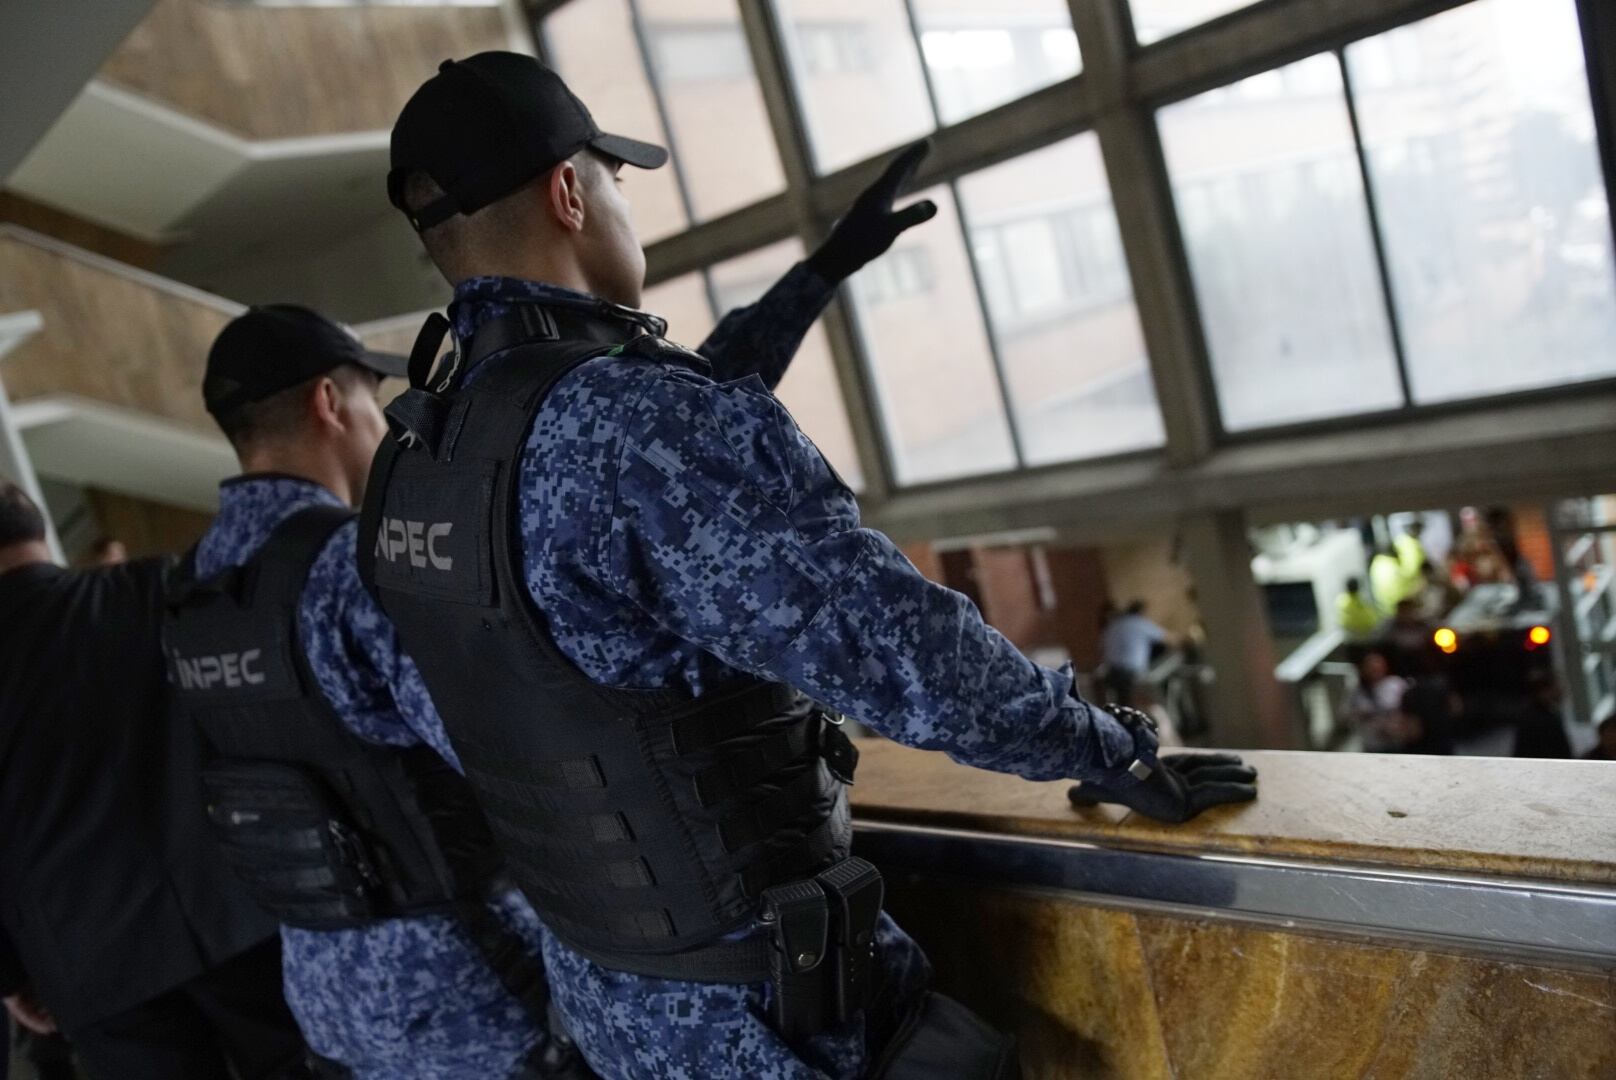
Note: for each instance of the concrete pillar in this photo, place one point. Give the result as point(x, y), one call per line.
point(1247, 706)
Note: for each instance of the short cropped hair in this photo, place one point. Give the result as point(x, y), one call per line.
point(281, 413)
point(461, 245)
point(21, 520)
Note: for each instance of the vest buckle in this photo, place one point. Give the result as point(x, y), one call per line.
point(836, 749)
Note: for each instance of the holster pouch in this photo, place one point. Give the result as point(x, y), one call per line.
point(801, 932)
point(823, 946)
point(288, 840)
point(945, 1039)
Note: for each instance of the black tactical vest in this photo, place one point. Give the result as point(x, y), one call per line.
point(327, 830)
point(640, 823)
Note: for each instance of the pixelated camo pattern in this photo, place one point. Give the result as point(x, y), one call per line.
point(402, 999)
point(678, 531)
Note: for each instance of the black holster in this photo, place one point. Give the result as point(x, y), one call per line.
point(822, 947)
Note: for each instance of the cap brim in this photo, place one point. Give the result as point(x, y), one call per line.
point(387, 365)
point(641, 155)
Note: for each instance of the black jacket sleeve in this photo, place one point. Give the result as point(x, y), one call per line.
point(12, 976)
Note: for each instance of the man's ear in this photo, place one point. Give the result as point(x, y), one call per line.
point(564, 191)
point(326, 407)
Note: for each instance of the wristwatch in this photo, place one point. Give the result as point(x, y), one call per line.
point(1138, 721)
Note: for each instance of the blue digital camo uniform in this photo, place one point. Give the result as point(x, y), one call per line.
point(411, 999)
point(678, 531)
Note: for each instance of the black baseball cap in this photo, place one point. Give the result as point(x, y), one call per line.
point(484, 126)
point(272, 348)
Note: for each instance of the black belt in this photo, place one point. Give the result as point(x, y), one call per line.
point(818, 953)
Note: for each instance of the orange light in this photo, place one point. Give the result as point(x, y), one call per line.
point(1446, 640)
point(1539, 635)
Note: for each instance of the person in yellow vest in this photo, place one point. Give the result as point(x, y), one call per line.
point(1387, 583)
point(1411, 558)
point(1354, 613)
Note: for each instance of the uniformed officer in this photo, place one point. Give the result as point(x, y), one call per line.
point(613, 569)
point(296, 395)
point(118, 923)
point(404, 954)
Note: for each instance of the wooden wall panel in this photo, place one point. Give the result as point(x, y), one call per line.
point(111, 334)
point(270, 73)
point(17, 210)
point(146, 528)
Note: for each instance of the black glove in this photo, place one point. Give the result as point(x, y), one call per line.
point(870, 225)
point(1172, 789)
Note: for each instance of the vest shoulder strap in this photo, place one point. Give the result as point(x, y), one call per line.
point(283, 563)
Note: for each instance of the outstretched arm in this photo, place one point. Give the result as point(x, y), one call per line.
point(761, 338)
point(731, 531)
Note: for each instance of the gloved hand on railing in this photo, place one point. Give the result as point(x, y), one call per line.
point(1172, 789)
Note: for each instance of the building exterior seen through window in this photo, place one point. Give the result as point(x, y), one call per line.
point(1482, 158)
point(1060, 304)
point(683, 79)
point(1484, 204)
point(1271, 203)
point(1417, 219)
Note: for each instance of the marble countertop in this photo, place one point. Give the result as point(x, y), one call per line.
point(1523, 818)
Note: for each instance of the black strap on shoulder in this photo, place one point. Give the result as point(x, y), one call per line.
point(283, 563)
point(524, 324)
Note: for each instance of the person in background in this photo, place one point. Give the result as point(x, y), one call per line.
point(1354, 614)
point(119, 924)
point(1439, 595)
point(1408, 637)
point(1605, 748)
point(1376, 707)
point(1127, 647)
point(1540, 727)
point(108, 551)
point(1430, 712)
point(1411, 557)
point(1386, 581)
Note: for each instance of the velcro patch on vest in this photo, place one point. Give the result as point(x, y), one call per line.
point(432, 538)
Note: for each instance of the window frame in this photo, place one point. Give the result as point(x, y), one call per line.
point(1117, 93)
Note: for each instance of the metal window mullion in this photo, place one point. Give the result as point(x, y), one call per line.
point(1382, 260)
point(659, 101)
point(872, 438)
point(925, 68)
point(995, 353)
point(1155, 259)
point(1000, 376)
point(1598, 22)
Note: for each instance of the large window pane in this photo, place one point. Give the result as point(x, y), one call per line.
point(1266, 180)
point(809, 389)
point(929, 351)
point(683, 302)
point(983, 53)
point(619, 97)
point(1046, 243)
point(1156, 19)
point(858, 74)
point(1486, 173)
point(699, 56)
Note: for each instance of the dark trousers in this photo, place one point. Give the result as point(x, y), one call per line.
point(230, 1015)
